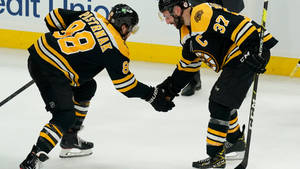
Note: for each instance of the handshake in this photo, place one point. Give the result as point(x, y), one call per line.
point(161, 96)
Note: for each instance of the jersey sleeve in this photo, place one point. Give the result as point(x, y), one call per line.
point(186, 68)
point(60, 19)
point(268, 40)
point(188, 62)
point(123, 80)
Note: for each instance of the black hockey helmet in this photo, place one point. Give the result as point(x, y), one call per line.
point(168, 5)
point(122, 14)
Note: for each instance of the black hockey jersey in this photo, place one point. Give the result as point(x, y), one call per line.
point(83, 43)
point(216, 36)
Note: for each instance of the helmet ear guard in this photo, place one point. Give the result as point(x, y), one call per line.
point(122, 14)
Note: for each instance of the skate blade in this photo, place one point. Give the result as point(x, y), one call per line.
point(235, 155)
point(70, 153)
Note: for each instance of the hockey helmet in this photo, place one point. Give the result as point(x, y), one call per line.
point(168, 5)
point(122, 14)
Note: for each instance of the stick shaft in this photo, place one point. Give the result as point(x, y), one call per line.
point(244, 162)
point(16, 92)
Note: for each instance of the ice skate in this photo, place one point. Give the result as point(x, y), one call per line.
point(74, 146)
point(193, 86)
point(218, 161)
point(34, 159)
point(235, 151)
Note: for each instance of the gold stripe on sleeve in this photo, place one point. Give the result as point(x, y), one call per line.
point(60, 18)
point(128, 87)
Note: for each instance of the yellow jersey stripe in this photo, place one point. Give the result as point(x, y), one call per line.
point(238, 28)
point(188, 61)
point(187, 69)
point(235, 54)
point(44, 135)
point(49, 21)
point(232, 53)
point(128, 87)
point(246, 35)
point(47, 59)
point(268, 37)
point(60, 18)
point(61, 58)
point(123, 79)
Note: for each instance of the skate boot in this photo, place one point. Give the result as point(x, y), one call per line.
point(193, 86)
point(218, 161)
point(235, 151)
point(34, 159)
point(73, 146)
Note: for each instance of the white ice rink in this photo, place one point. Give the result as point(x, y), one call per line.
point(130, 134)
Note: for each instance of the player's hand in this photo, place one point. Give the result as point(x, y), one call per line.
point(159, 100)
point(257, 63)
point(168, 87)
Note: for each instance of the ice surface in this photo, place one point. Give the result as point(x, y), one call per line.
point(130, 134)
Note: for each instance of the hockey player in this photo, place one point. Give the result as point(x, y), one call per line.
point(227, 42)
point(235, 6)
point(236, 148)
point(234, 151)
point(64, 62)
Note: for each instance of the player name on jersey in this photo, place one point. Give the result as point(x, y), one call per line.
point(98, 30)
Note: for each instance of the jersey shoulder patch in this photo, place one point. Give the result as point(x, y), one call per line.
point(200, 18)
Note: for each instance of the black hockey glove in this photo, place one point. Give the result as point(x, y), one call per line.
point(169, 88)
point(257, 63)
point(159, 100)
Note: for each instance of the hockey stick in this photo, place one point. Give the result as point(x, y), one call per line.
point(295, 69)
point(16, 92)
point(244, 162)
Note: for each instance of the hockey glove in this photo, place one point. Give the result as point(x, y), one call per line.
point(159, 101)
point(257, 63)
point(169, 88)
